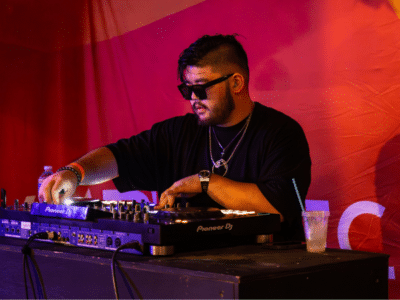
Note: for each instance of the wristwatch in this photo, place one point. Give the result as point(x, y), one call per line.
point(204, 176)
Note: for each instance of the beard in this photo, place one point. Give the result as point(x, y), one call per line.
point(220, 113)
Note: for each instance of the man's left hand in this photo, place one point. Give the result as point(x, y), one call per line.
point(186, 187)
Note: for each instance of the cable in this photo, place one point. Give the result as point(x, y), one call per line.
point(27, 251)
point(131, 245)
point(38, 277)
point(41, 291)
point(128, 283)
point(26, 265)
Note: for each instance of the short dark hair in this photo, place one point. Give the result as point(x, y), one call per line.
point(235, 53)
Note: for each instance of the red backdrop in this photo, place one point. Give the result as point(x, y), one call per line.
point(76, 75)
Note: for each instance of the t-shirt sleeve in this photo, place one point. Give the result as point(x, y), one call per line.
point(140, 157)
point(288, 157)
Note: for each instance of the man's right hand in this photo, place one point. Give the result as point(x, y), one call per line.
point(99, 166)
point(57, 187)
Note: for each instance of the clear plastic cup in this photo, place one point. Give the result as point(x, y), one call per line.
point(315, 229)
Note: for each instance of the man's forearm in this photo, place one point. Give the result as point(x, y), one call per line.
point(99, 166)
point(238, 195)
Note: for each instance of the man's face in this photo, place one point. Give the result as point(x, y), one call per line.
point(217, 108)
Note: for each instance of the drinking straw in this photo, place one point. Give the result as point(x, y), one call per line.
point(298, 194)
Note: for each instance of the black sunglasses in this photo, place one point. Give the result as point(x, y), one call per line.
point(199, 89)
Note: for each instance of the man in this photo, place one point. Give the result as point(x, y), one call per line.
point(232, 152)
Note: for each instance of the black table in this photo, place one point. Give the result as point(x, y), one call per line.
point(249, 271)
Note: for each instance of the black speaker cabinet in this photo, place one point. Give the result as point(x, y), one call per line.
point(242, 272)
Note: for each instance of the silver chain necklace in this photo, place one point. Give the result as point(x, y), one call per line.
point(222, 148)
point(222, 162)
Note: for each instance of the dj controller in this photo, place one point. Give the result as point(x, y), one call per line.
point(106, 225)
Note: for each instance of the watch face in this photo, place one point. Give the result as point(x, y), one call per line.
point(204, 173)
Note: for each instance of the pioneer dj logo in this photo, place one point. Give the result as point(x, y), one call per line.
point(227, 226)
point(54, 211)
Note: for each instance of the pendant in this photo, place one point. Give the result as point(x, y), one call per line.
point(219, 164)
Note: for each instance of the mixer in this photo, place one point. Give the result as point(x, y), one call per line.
point(106, 225)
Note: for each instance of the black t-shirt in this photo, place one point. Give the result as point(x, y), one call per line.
point(273, 150)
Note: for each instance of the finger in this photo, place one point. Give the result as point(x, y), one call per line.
point(162, 202)
point(170, 200)
point(56, 190)
point(45, 190)
point(165, 199)
point(55, 195)
point(62, 196)
point(61, 190)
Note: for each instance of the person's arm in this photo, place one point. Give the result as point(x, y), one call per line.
point(228, 193)
point(99, 166)
point(238, 195)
